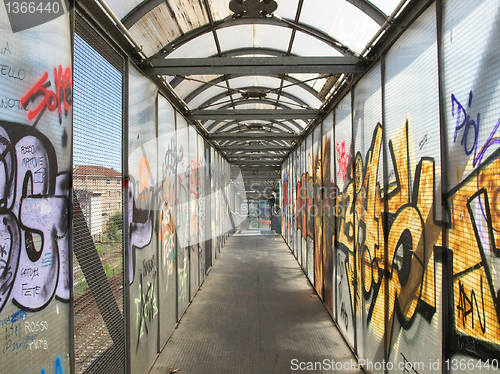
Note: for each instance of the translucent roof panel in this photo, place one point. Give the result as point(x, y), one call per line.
point(312, 80)
point(254, 36)
point(386, 6)
point(201, 46)
point(155, 29)
point(311, 100)
point(187, 85)
point(122, 7)
point(207, 94)
point(306, 45)
point(287, 8)
point(341, 20)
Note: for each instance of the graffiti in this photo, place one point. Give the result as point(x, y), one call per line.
point(466, 306)
point(167, 201)
point(60, 98)
point(304, 203)
point(343, 315)
point(342, 159)
point(37, 326)
point(328, 198)
point(423, 142)
point(468, 124)
point(474, 242)
point(9, 103)
point(34, 221)
point(146, 307)
point(140, 233)
point(5, 49)
point(38, 344)
point(57, 367)
point(10, 71)
point(411, 232)
point(149, 266)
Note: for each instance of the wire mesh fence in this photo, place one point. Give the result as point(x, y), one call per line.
point(99, 339)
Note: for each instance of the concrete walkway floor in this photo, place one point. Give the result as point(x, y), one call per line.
point(255, 313)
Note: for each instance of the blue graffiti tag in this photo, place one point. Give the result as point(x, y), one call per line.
point(468, 124)
point(19, 315)
point(57, 367)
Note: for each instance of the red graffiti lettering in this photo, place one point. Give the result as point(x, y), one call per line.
point(51, 100)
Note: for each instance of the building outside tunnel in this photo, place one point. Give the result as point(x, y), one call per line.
point(374, 124)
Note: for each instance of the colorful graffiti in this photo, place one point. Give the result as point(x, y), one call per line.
point(474, 221)
point(34, 204)
point(397, 277)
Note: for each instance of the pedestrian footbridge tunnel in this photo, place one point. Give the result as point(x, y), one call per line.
point(263, 156)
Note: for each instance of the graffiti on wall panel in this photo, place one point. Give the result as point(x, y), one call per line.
point(411, 233)
point(146, 303)
point(329, 197)
point(304, 205)
point(167, 231)
point(285, 206)
point(317, 215)
point(34, 225)
point(141, 222)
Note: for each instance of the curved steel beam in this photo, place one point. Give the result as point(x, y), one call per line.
point(270, 125)
point(236, 53)
point(272, 122)
point(220, 79)
point(371, 10)
point(229, 22)
point(140, 11)
point(222, 95)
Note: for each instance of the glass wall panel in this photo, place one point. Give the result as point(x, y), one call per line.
point(310, 207)
point(36, 143)
point(329, 199)
point(142, 249)
point(317, 211)
point(181, 221)
point(472, 121)
point(345, 220)
point(167, 163)
point(368, 181)
point(413, 151)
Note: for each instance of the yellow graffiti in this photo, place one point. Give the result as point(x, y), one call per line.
point(411, 235)
point(474, 240)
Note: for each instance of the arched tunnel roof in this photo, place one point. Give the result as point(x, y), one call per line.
point(249, 72)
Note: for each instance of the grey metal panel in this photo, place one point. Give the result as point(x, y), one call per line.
point(255, 65)
point(249, 114)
